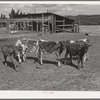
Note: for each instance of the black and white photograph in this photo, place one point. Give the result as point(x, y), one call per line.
point(49, 46)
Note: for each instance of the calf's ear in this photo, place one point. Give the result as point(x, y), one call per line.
point(62, 42)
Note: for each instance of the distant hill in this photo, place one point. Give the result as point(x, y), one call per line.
point(86, 19)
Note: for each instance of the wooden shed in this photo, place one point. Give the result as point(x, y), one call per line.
point(43, 22)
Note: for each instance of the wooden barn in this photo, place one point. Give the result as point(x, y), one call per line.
point(43, 22)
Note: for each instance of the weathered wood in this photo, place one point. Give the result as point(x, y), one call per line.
point(66, 25)
point(32, 25)
point(48, 28)
point(59, 21)
point(21, 26)
point(9, 28)
point(24, 25)
point(63, 23)
point(22, 20)
point(17, 25)
point(46, 25)
point(46, 22)
point(37, 27)
point(52, 24)
point(43, 24)
point(7, 25)
point(61, 29)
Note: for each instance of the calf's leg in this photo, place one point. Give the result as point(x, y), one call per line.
point(24, 56)
point(59, 63)
point(66, 55)
point(40, 54)
point(81, 62)
point(78, 61)
point(71, 60)
point(58, 58)
point(85, 57)
point(5, 58)
point(19, 58)
point(14, 62)
point(40, 58)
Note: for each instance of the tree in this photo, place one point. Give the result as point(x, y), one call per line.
point(1, 16)
point(4, 16)
point(21, 13)
point(12, 13)
point(17, 13)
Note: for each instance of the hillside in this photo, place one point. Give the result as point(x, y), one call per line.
point(86, 19)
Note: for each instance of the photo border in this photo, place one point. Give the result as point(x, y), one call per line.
point(31, 95)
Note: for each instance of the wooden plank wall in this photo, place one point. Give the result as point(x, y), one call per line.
point(42, 23)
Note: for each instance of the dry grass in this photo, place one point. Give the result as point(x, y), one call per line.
point(32, 76)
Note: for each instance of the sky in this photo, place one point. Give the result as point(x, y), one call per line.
point(60, 9)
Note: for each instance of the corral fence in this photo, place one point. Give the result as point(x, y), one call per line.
point(45, 26)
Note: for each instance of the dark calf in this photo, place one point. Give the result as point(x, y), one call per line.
point(50, 47)
point(9, 50)
point(78, 49)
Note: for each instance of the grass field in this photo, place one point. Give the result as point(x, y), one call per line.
point(94, 29)
point(32, 76)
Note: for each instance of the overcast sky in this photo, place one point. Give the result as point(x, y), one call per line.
point(61, 9)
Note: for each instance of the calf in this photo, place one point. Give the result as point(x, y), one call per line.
point(9, 50)
point(32, 45)
point(86, 41)
point(21, 48)
point(86, 55)
point(79, 48)
point(28, 45)
point(50, 47)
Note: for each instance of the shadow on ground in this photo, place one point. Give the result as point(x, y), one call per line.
point(63, 61)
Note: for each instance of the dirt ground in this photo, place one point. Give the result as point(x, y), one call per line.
point(33, 76)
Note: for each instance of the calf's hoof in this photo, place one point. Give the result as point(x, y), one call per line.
point(16, 69)
point(81, 68)
point(24, 60)
point(41, 64)
point(78, 68)
point(59, 66)
point(64, 62)
point(20, 62)
point(5, 64)
point(87, 59)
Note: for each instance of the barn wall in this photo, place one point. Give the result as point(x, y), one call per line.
point(53, 24)
point(62, 24)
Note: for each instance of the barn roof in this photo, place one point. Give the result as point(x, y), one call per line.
point(49, 13)
point(45, 13)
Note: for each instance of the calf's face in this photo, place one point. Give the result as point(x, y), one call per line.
point(63, 44)
point(18, 53)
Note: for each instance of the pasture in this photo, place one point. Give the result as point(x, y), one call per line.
point(32, 76)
